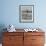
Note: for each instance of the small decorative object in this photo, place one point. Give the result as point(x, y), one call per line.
point(34, 30)
point(26, 30)
point(11, 28)
point(31, 30)
point(26, 13)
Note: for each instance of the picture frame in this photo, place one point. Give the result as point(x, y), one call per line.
point(26, 13)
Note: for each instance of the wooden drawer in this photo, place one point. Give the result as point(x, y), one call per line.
point(34, 33)
point(20, 44)
point(12, 39)
point(37, 39)
point(27, 41)
point(13, 33)
point(37, 44)
point(33, 39)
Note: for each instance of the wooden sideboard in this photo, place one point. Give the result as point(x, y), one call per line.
point(23, 39)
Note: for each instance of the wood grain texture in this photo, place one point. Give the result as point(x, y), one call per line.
point(12, 39)
point(23, 38)
point(34, 39)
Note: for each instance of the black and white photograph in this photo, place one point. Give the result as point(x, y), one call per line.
point(26, 13)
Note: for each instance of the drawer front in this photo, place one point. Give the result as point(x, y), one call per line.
point(33, 39)
point(12, 44)
point(5, 40)
point(13, 33)
point(12, 39)
point(34, 33)
point(37, 39)
point(37, 45)
point(27, 41)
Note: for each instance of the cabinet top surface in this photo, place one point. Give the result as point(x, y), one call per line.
point(22, 30)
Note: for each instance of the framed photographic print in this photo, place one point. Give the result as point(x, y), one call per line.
point(26, 13)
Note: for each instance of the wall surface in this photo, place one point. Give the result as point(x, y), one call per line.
point(10, 13)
